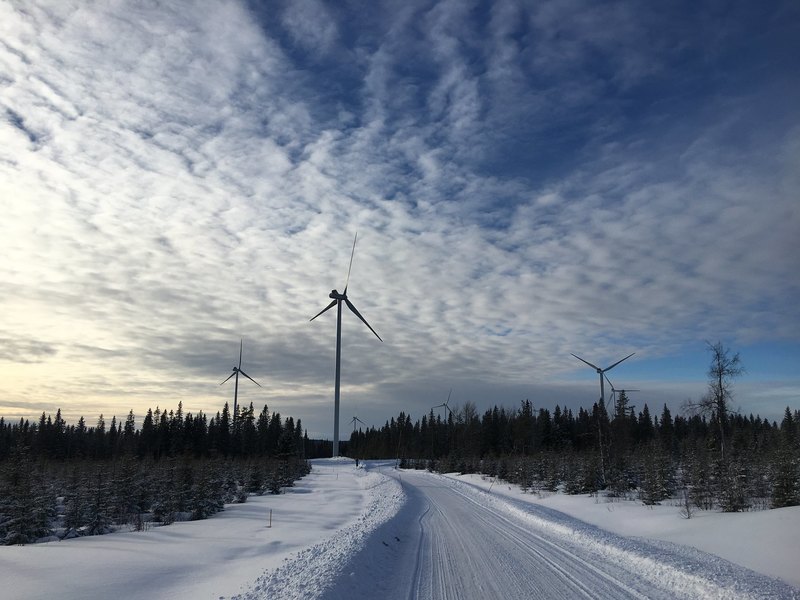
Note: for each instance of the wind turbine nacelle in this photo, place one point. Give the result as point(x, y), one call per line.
point(335, 295)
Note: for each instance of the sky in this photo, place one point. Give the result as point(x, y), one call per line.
point(527, 180)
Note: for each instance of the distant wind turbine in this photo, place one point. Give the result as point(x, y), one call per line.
point(355, 420)
point(236, 371)
point(614, 394)
point(337, 301)
point(445, 404)
point(602, 372)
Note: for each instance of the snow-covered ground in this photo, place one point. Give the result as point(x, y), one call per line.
point(323, 516)
point(344, 532)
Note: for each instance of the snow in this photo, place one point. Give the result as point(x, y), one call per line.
point(344, 532)
point(221, 556)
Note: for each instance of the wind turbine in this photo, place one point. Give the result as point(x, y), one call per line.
point(602, 372)
point(236, 371)
point(337, 300)
point(354, 420)
point(614, 394)
point(445, 404)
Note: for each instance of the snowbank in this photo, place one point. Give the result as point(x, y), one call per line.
point(311, 571)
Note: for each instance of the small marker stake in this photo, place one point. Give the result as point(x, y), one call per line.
point(270, 517)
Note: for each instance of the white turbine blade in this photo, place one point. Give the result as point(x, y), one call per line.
point(352, 253)
point(619, 361)
point(250, 378)
point(358, 314)
point(331, 305)
point(586, 361)
point(241, 342)
point(609, 382)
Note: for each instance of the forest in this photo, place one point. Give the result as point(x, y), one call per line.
point(628, 455)
point(60, 481)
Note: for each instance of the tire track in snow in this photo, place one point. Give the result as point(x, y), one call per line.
point(418, 565)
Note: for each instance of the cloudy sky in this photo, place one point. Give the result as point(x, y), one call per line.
point(528, 179)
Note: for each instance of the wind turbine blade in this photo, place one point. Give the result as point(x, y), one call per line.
point(358, 314)
point(229, 376)
point(352, 253)
point(360, 421)
point(619, 361)
point(609, 382)
point(331, 305)
point(250, 378)
point(241, 342)
point(586, 361)
point(448, 397)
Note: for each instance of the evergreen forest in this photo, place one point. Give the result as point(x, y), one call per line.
point(59, 481)
point(624, 454)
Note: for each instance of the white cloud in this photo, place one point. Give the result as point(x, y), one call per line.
point(311, 24)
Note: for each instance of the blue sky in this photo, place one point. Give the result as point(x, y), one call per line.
point(527, 179)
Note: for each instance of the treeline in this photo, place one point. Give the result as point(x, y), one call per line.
point(162, 434)
point(61, 481)
point(629, 454)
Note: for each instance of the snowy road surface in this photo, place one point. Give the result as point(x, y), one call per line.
point(467, 551)
point(451, 540)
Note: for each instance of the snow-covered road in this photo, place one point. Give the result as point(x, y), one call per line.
point(467, 551)
point(451, 540)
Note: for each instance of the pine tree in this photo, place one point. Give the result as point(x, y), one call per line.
point(786, 463)
point(26, 503)
point(700, 480)
point(75, 504)
point(731, 484)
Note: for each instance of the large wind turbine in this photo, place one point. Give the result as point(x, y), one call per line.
point(337, 301)
point(236, 371)
point(602, 372)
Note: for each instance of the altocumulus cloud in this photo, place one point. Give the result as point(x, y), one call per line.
point(526, 180)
